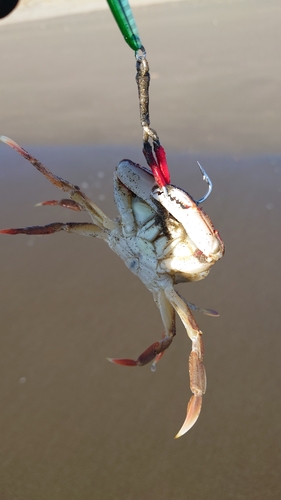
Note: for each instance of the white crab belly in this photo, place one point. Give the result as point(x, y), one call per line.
point(139, 256)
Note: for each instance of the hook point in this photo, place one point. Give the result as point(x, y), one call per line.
point(207, 179)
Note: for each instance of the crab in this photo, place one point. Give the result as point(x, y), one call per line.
point(162, 236)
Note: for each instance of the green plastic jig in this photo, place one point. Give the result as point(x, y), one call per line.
point(123, 15)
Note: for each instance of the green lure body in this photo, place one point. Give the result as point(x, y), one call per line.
point(123, 15)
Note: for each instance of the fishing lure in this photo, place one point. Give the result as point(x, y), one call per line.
point(124, 18)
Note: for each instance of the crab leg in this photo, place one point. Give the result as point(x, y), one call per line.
point(74, 192)
point(156, 350)
point(207, 312)
point(197, 373)
point(168, 318)
point(66, 203)
point(81, 228)
point(123, 200)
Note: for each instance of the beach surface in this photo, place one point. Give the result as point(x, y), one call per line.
point(31, 10)
point(74, 426)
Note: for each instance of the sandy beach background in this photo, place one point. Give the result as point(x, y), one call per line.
point(72, 425)
point(30, 10)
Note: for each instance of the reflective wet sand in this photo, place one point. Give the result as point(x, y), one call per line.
point(72, 425)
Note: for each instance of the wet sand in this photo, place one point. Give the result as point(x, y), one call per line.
point(72, 425)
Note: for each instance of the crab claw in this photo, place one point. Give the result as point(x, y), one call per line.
point(192, 414)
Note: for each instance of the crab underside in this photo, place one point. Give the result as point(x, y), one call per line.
point(162, 236)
